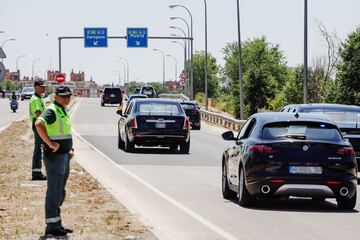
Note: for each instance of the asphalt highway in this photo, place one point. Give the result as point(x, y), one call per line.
point(6, 114)
point(180, 194)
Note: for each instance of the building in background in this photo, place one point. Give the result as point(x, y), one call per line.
point(77, 77)
point(14, 76)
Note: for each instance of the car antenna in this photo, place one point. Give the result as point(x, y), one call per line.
point(297, 115)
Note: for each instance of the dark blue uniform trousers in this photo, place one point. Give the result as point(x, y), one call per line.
point(37, 155)
point(57, 170)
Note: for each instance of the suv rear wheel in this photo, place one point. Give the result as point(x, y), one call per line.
point(347, 203)
point(244, 197)
point(128, 146)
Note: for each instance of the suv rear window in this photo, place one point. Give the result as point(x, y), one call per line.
point(151, 108)
point(301, 131)
point(337, 115)
point(188, 105)
point(116, 91)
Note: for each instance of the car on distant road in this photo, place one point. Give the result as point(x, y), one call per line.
point(148, 91)
point(193, 112)
point(154, 122)
point(347, 118)
point(111, 96)
point(27, 92)
point(126, 101)
point(137, 90)
point(281, 154)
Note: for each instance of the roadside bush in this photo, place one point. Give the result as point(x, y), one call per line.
point(200, 97)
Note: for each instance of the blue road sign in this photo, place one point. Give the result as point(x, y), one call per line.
point(137, 37)
point(95, 37)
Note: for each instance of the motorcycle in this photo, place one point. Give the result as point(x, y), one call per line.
point(14, 105)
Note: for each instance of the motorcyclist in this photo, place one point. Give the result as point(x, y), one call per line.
point(13, 96)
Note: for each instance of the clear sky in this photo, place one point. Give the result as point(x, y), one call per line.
point(36, 25)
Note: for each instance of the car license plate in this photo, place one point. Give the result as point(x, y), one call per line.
point(112, 95)
point(160, 125)
point(305, 170)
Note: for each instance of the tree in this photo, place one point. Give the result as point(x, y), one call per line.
point(348, 70)
point(199, 74)
point(264, 72)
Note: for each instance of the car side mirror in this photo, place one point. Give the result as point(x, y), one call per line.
point(228, 136)
point(343, 134)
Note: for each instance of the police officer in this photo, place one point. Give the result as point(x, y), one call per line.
point(36, 107)
point(54, 127)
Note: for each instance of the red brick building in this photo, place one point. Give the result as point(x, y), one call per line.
point(51, 75)
point(15, 76)
point(77, 77)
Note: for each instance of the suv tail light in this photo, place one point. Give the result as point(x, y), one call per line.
point(262, 149)
point(133, 122)
point(186, 123)
point(194, 112)
point(345, 151)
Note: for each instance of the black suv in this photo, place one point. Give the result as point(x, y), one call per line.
point(111, 96)
point(346, 117)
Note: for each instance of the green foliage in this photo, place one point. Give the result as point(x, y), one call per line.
point(224, 102)
point(348, 73)
point(264, 73)
point(199, 74)
point(200, 97)
point(8, 85)
point(331, 92)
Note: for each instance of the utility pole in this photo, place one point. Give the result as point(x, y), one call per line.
point(240, 64)
point(305, 51)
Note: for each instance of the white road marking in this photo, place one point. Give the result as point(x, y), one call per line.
point(180, 206)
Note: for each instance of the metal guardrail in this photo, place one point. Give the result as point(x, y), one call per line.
point(225, 121)
point(214, 118)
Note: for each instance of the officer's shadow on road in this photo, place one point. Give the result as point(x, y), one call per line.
point(46, 237)
point(297, 205)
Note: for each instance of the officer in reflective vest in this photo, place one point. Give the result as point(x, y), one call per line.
point(36, 107)
point(54, 127)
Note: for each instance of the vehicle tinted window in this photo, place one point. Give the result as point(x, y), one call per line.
point(188, 106)
point(151, 108)
point(116, 91)
point(337, 115)
point(302, 131)
point(28, 89)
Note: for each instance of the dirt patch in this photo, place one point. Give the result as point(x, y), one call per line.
point(88, 208)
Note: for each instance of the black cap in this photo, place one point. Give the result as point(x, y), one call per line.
point(40, 83)
point(63, 91)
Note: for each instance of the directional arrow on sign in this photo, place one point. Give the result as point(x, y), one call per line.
point(95, 43)
point(137, 43)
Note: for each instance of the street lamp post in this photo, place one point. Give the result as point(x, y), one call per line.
point(3, 44)
point(17, 61)
point(119, 76)
point(163, 55)
point(192, 49)
point(184, 46)
point(305, 51)
point(128, 69)
point(206, 60)
point(240, 64)
point(175, 65)
point(33, 63)
point(123, 64)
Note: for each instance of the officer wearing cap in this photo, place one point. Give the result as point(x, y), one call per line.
point(54, 127)
point(36, 107)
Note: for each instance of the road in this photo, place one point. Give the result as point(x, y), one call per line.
point(6, 114)
point(180, 195)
